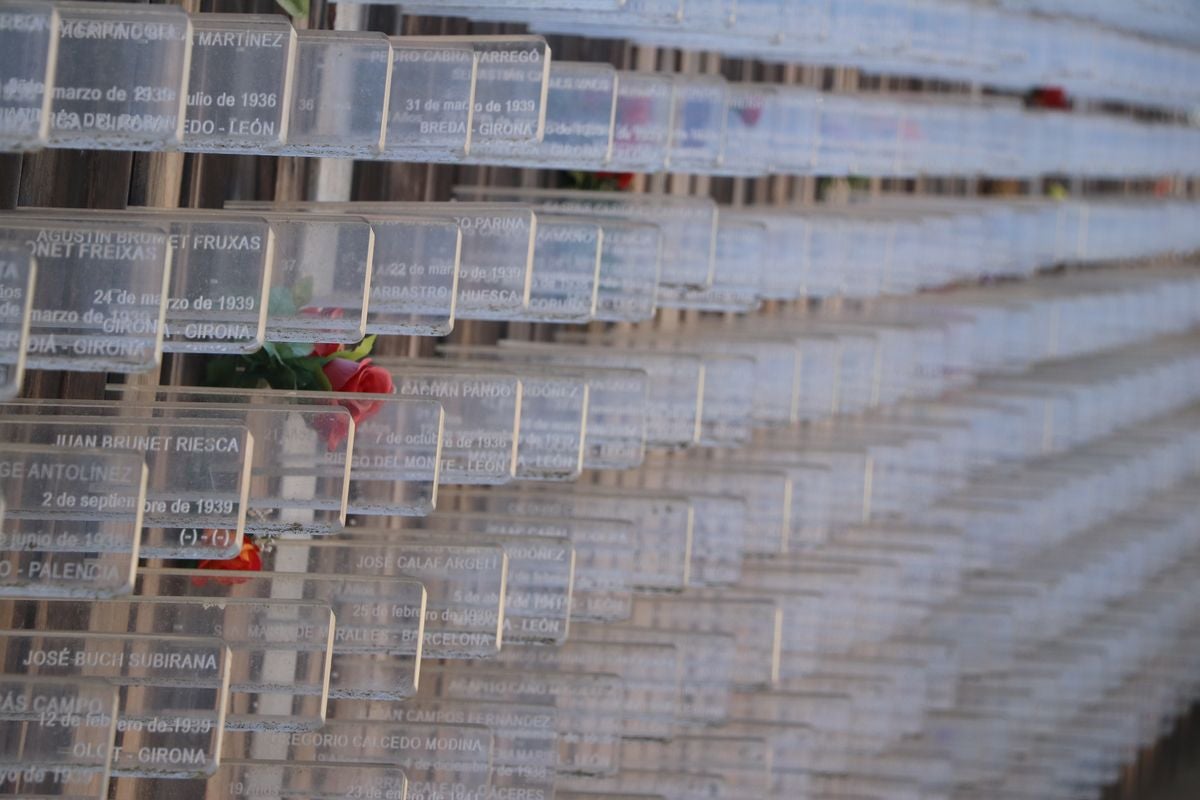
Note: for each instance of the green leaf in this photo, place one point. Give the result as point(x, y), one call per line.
point(361, 350)
point(311, 374)
point(272, 350)
point(294, 349)
point(303, 291)
point(297, 8)
point(280, 301)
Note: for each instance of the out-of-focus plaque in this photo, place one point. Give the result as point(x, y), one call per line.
point(614, 435)
point(101, 301)
point(240, 82)
point(524, 747)
point(566, 267)
point(29, 42)
point(72, 519)
point(688, 224)
point(496, 256)
point(18, 274)
point(173, 692)
point(280, 650)
point(198, 475)
point(586, 706)
point(57, 735)
point(698, 135)
point(541, 572)
point(465, 584)
point(642, 127)
point(651, 674)
point(662, 526)
point(436, 758)
point(676, 383)
point(380, 621)
point(120, 76)
point(300, 780)
point(755, 624)
point(604, 548)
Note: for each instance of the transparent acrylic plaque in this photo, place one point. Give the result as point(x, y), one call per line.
point(240, 83)
point(172, 692)
point(219, 274)
point(688, 224)
point(630, 784)
point(737, 277)
point(465, 584)
point(524, 750)
point(58, 736)
point(436, 759)
point(662, 526)
point(643, 121)
point(280, 650)
point(120, 77)
point(482, 411)
point(396, 441)
point(755, 624)
point(431, 104)
point(300, 473)
point(768, 495)
point(553, 426)
point(707, 661)
point(496, 254)
point(72, 520)
point(580, 106)
point(604, 548)
point(630, 262)
point(586, 706)
point(414, 280)
point(320, 278)
point(698, 132)
point(742, 761)
point(579, 122)
point(565, 271)
point(101, 300)
point(198, 475)
point(18, 276)
point(650, 672)
point(298, 780)
point(614, 435)
point(511, 82)
point(29, 41)
point(676, 384)
point(380, 621)
point(219, 281)
point(750, 123)
point(540, 577)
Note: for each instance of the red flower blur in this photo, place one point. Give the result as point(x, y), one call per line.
point(358, 377)
point(248, 560)
point(620, 180)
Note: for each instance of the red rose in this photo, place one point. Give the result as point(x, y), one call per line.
point(622, 180)
point(326, 349)
point(248, 560)
point(358, 377)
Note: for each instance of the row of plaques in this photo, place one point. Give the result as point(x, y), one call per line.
point(119, 288)
point(117, 76)
point(213, 680)
point(1006, 47)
